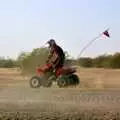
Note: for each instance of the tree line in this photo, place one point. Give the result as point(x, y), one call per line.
point(28, 61)
point(102, 61)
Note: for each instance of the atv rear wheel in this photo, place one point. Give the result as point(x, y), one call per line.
point(74, 79)
point(34, 82)
point(62, 82)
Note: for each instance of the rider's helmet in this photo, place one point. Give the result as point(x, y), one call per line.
point(51, 43)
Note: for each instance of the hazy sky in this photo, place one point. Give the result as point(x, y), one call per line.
point(28, 24)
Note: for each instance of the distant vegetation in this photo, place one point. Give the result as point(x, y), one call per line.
point(29, 61)
point(103, 61)
point(7, 63)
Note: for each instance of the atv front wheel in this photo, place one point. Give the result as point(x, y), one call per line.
point(34, 82)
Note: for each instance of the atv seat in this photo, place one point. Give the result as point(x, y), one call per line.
point(64, 71)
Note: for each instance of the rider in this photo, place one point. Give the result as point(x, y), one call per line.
point(56, 55)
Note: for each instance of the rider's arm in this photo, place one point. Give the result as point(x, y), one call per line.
point(56, 61)
point(50, 55)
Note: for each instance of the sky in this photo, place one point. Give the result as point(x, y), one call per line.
point(28, 24)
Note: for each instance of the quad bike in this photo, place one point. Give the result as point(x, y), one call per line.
point(46, 75)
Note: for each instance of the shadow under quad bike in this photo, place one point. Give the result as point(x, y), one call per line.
point(46, 75)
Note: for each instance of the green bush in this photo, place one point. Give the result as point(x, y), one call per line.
point(29, 61)
point(86, 62)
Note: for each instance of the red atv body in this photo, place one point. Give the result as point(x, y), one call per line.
point(58, 72)
point(45, 75)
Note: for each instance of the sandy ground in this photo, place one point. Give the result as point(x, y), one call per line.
point(93, 100)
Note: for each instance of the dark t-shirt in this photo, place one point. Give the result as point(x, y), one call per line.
point(60, 52)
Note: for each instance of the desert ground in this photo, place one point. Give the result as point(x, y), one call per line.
point(97, 97)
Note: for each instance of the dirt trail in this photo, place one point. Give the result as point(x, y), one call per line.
point(23, 97)
point(17, 96)
point(54, 103)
